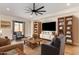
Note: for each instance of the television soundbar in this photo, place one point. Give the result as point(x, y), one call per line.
point(49, 26)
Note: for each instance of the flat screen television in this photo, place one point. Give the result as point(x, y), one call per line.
point(49, 26)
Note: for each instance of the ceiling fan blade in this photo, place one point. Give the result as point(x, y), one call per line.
point(40, 8)
point(36, 13)
point(30, 9)
point(33, 6)
point(42, 11)
point(31, 13)
point(27, 12)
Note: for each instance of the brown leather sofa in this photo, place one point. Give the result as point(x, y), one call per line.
point(4, 42)
point(5, 45)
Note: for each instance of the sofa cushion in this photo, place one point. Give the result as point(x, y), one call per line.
point(4, 42)
point(11, 52)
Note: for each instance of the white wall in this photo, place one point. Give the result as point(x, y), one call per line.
point(28, 28)
point(32, 28)
point(8, 31)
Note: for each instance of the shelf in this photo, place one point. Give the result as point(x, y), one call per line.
point(37, 28)
point(66, 24)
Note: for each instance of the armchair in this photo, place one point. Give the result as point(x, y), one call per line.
point(49, 50)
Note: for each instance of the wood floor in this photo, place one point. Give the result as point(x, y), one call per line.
point(69, 50)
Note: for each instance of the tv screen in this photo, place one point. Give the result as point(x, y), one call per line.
point(49, 26)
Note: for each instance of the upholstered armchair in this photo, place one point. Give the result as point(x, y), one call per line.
point(49, 50)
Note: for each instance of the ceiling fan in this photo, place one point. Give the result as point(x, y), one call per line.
point(35, 11)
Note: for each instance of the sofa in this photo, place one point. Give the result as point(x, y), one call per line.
point(4, 42)
point(49, 50)
point(6, 46)
point(46, 35)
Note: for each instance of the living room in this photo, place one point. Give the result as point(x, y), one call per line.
point(21, 24)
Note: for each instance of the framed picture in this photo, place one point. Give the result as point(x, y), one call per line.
point(5, 24)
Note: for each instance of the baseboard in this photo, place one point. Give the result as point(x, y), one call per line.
point(76, 44)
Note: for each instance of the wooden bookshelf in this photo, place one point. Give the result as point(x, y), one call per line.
point(61, 24)
point(69, 29)
point(37, 28)
point(69, 26)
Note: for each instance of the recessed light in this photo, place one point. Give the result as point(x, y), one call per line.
point(68, 4)
point(8, 9)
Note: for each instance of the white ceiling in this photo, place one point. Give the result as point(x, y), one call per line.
point(17, 9)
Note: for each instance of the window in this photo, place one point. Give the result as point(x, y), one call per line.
point(18, 27)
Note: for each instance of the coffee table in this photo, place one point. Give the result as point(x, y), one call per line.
point(33, 43)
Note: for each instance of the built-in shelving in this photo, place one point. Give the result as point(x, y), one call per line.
point(37, 28)
point(69, 26)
